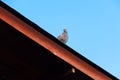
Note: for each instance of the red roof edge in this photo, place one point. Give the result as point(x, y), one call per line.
point(52, 46)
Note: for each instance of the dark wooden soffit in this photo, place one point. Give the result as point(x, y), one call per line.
point(52, 46)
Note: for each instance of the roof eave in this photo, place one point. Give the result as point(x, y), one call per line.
point(52, 46)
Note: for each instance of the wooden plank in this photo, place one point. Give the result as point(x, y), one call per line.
point(51, 45)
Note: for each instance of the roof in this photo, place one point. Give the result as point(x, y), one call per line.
point(39, 37)
point(21, 58)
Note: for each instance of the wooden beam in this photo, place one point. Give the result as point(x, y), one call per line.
point(51, 45)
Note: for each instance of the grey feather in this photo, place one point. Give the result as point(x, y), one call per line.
point(64, 36)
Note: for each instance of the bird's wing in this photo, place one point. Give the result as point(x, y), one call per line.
point(63, 37)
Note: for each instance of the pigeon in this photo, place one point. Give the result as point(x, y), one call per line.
point(64, 36)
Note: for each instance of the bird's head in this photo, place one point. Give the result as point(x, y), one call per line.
point(65, 30)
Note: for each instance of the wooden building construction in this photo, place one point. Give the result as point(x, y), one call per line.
point(28, 52)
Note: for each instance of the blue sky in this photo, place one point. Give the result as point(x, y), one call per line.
point(93, 26)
